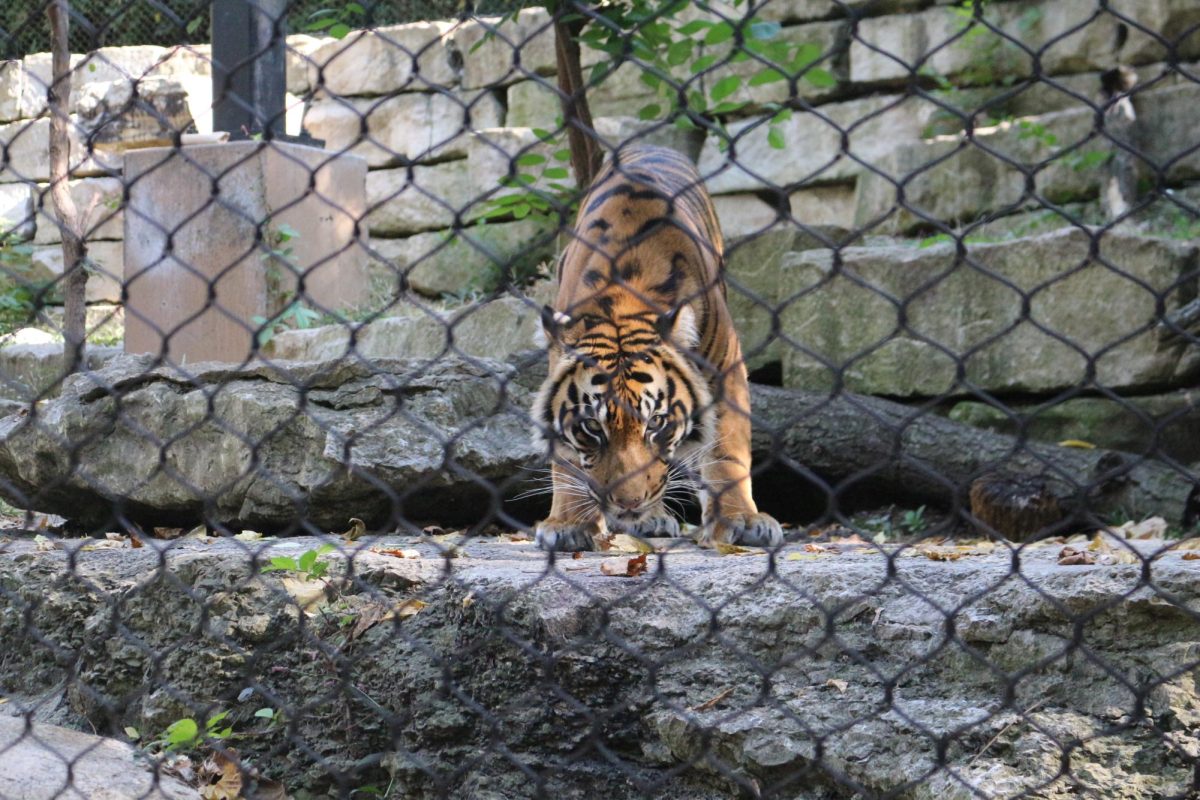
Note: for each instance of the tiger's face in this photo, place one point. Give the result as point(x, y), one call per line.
point(623, 412)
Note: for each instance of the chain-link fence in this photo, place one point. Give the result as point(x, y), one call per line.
point(790, 399)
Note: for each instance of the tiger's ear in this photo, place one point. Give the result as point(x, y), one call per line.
point(551, 329)
point(678, 327)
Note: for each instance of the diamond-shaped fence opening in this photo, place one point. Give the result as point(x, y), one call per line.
point(757, 398)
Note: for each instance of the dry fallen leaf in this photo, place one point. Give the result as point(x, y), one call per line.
point(803, 556)
point(837, 683)
point(941, 554)
point(623, 567)
point(167, 533)
point(248, 536)
point(469, 600)
point(1077, 443)
point(624, 543)
point(1190, 555)
point(1070, 557)
point(737, 550)
point(43, 545)
point(228, 784)
point(577, 555)
point(409, 607)
point(269, 790)
point(368, 617)
point(707, 704)
point(396, 552)
point(357, 529)
point(1150, 528)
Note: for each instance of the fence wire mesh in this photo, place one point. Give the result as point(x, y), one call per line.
point(838, 438)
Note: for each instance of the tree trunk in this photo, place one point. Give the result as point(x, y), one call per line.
point(74, 272)
point(586, 156)
point(858, 443)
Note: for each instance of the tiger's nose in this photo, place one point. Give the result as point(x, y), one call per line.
point(626, 503)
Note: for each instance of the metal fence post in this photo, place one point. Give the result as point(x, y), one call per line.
point(249, 72)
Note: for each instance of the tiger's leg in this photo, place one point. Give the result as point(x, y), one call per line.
point(574, 521)
point(730, 514)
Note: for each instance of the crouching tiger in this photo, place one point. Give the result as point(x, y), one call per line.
point(647, 390)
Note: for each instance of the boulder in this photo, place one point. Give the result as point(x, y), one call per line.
point(872, 127)
point(899, 321)
point(497, 51)
point(413, 57)
point(271, 446)
point(496, 329)
point(16, 210)
point(395, 130)
point(106, 268)
point(47, 762)
point(420, 197)
point(100, 199)
point(34, 371)
point(709, 677)
point(25, 154)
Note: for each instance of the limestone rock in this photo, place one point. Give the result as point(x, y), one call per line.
point(30, 372)
point(1083, 313)
point(404, 127)
point(123, 114)
point(497, 51)
point(672, 662)
point(419, 198)
point(873, 126)
point(1069, 37)
point(26, 154)
point(106, 267)
point(476, 258)
point(367, 439)
point(99, 198)
point(45, 762)
point(496, 329)
point(16, 210)
point(412, 57)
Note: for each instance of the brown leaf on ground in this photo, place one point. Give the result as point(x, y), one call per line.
point(269, 790)
point(625, 543)
point(577, 555)
point(708, 704)
point(623, 567)
point(396, 552)
point(1190, 555)
point(228, 777)
point(1070, 557)
point(737, 550)
point(940, 553)
point(168, 533)
point(409, 607)
point(368, 617)
point(837, 683)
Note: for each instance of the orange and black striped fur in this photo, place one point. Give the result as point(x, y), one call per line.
point(647, 391)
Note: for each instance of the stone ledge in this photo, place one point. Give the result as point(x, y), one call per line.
point(512, 660)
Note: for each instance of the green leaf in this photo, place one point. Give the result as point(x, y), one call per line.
point(530, 159)
point(694, 27)
point(805, 55)
point(320, 24)
point(194, 25)
point(543, 134)
point(281, 563)
point(556, 173)
point(650, 79)
point(651, 111)
point(215, 720)
point(684, 123)
point(522, 211)
point(775, 138)
point(725, 87)
point(679, 52)
point(718, 33)
point(784, 115)
point(703, 63)
point(767, 76)
point(563, 154)
point(265, 713)
point(821, 78)
point(354, 8)
point(339, 31)
point(307, 559)
point(182, 731)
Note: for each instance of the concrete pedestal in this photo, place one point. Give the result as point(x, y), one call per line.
point(201, 225)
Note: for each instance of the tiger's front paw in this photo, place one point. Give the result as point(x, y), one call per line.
point(653, 527)
point(567, 537)
point(751, 530)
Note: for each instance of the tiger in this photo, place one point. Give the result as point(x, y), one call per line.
point(646, 388)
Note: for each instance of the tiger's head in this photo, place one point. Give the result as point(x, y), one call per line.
point(624, 409)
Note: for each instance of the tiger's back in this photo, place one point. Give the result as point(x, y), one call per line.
point(647, 239)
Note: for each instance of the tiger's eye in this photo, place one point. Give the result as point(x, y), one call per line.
point(591, 426)
point(656, 423)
